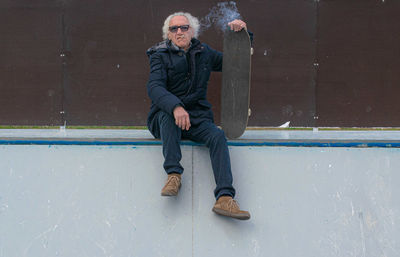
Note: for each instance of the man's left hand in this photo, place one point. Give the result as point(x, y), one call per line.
point(237, 25)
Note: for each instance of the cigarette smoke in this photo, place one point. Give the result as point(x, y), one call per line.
point(220, 16)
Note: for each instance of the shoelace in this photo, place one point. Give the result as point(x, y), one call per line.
point(232, 204)
point(173, 180)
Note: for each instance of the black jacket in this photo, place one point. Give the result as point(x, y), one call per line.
point(179, 78)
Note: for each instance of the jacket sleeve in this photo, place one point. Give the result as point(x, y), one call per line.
point(157, 86)
point(216, 60)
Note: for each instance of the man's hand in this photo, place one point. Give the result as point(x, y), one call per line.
point(182, 119)
point(237, 25)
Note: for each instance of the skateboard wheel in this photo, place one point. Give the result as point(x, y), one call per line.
point(251, 51)
point(249, 112)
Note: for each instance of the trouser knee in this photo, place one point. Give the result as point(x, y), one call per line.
point(167, 125)
point(166, 120)
point(217, 137)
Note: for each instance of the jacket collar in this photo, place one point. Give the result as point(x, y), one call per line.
point(194, 45)
point(168, 45)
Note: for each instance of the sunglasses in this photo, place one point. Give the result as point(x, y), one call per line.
point(183, 28)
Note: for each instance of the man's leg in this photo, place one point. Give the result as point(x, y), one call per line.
point(170, 135)
point(215, 140)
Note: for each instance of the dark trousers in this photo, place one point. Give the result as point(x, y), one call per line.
point(206, 133)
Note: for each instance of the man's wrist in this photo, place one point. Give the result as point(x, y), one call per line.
point(177, 106)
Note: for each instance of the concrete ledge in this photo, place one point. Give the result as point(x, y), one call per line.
point(250, 138)
point(104, 200)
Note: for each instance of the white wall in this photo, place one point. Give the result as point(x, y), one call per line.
point(105, 201)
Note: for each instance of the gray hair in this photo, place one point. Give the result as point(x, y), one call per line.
point(193, 23)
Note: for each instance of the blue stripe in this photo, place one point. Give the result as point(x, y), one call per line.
point(386, 144)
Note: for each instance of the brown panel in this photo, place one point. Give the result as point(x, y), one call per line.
point(282, 73)
point(359, 63)
point(102, 78)
point(104, 83)
point(106, 62)
point(107, 69)
point(283, 84)
point(30, 67)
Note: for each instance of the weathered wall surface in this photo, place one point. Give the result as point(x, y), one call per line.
point(69, 200)
point(316, 63)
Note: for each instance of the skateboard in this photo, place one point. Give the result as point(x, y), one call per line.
point(235, 92)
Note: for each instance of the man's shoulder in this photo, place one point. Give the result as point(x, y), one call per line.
point(197, 44)
point(208, 49)
point(159, 47)
point(203, 45)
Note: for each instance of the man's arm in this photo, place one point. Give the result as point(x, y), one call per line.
point(165, 100)
point(235, 25)
point(157, 86)
point(216, 60)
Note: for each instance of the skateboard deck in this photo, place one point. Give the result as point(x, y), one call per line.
point(235, 92)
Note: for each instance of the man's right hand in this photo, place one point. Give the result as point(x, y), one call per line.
point(182, 119)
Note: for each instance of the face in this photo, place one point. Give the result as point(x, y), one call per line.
point(180, 38)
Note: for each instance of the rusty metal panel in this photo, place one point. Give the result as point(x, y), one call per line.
point(283, 78)
point(105, 69)
point(104, 63)
point(30, 70)
point(359, 63)
point(105, 56)
point(283, 83)
point(337, 61)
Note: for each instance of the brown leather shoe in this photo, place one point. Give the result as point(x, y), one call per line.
point(226, 206)
point(172, 185)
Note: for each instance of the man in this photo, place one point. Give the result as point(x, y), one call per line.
point(180, 69)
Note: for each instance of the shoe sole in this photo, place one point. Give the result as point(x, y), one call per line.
point(169, 194)
point(231, 215)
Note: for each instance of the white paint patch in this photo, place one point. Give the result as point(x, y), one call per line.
point(361, 217)
point(285, 125)
point(315, 189)
point(338, 196)
point(3, 207)
point(108, 223)
point(101, 247)
point(256, 247)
